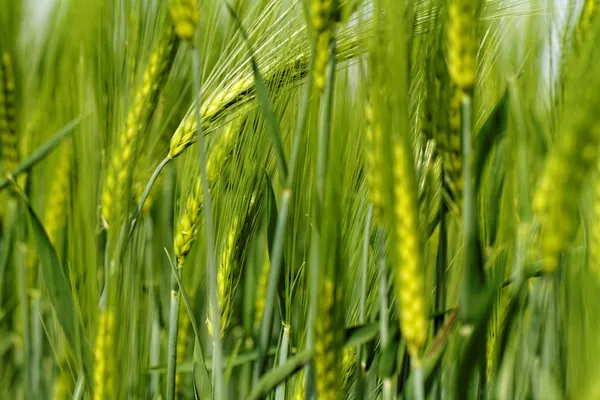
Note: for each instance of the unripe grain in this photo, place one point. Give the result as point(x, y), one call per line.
point(185, 14)
point(454, 159)
point(103, 354)
point(326, 363)
point(182, 341)
point(261, 292)
point(463, 18)
point(8, 133)
point(323, 25)
point(374, 164)
point(409, 274)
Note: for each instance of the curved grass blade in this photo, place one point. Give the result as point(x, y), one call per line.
point(271, 379)
point(59, 290)
point(40, 153)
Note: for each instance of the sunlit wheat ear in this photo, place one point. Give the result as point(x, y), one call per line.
point(185, 135)
point(185, 14)
point(8, 127)
point(103, 356)
point(323, 24)
point(120, 171)
point(326, 359)
point(374, 163)
point(409, 271)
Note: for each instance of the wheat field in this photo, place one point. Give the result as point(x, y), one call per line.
point(299, 199)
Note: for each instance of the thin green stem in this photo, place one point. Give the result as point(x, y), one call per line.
point(320, 177)
point(172, 343)
point(283, 356)
point(124, 236)
point(274, 275)
point(188, 307)
point(276, 253)
point(383, 309)
point(79, 391)
point(471, 284)
point(440, 269)
point(217, 372)
point(419, 384)
point(359, 388)
point(21, 273)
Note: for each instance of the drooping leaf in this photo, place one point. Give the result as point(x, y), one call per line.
point(59, 290)
point(40, 153)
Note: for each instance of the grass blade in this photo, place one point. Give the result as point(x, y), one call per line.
point(40, 153)
point(279, 374)
point(59, 290)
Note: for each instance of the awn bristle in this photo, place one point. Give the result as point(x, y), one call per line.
point(241, 93)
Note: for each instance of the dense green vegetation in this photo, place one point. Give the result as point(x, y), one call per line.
point(292, 199)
